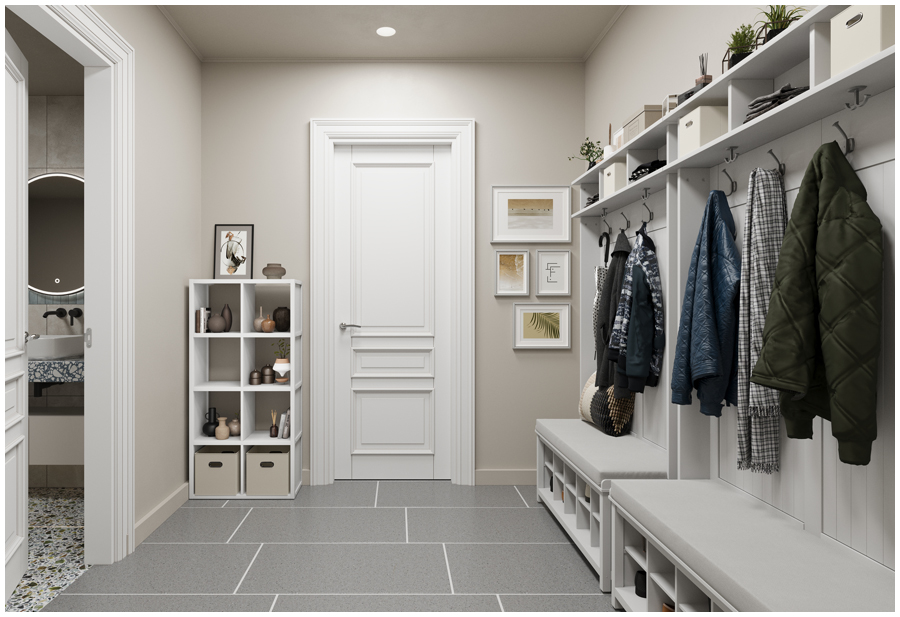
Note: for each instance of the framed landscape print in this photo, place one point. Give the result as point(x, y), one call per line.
point(542, 326)
point(511, 273)
point(553, 273)
point(531, 214)
point(234, 252)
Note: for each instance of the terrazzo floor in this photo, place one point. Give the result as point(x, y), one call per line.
point(55, 547)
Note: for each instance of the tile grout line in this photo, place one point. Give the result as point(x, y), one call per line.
point(238, 527)
point(225, 504)
point(271, 608)
point(567, 543)
point(316, 593)
point(377, 484)
point(450, 576)
point(502, 610)
point(406, 518)
point(526, 505)
point(240, 582)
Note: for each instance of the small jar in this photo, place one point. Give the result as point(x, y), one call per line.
point(268, 374)
point(255, 378)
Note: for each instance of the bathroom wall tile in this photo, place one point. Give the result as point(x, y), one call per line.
point(37, 131)
point(65, 476)
point(57, 325)
point(65, 401)
point(37, 476)
point(36, 322)
point(65, 132)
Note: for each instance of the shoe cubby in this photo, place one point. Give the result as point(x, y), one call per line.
point(660, 580)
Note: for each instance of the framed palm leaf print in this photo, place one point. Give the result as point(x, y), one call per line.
point(542, 326)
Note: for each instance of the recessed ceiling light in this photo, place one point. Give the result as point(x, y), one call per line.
point(386, 31)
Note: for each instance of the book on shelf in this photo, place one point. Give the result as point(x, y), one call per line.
point(285, 430)
point(281, 422)
point(201, 319)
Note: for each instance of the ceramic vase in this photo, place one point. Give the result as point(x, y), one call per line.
point(282, 367)
point(227, 316)
point(216, 323)
point(222, 431)
point(268, 375)
point(282, 317)
point(273, 271)
point(234, 427)
point(273, 431)
point(257, 323)
point(209, 429)
point(268, 325)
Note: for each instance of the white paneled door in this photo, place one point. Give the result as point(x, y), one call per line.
point(392, 283)
point(16, 481)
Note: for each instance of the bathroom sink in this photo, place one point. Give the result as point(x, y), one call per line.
point(55, 346)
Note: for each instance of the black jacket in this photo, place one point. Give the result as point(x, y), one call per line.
point(609, 302)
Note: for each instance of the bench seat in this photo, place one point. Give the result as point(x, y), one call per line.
point(754, 556)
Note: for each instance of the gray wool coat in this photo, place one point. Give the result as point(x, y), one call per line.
point(609, 302)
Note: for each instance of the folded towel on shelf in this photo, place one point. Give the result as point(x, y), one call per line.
point(645, 169)
point(768, 102)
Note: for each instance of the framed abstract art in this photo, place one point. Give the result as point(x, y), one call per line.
point(234, 252)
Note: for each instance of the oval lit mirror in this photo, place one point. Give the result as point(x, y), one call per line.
point(56, 234)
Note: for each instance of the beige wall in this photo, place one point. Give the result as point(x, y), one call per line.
point(529, 118)
point(167, 205)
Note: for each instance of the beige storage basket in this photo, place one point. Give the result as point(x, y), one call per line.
point(268, 470)
point(217, 471)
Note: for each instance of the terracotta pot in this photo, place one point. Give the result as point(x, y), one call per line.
point(273, 271)
point(234, 427)
point(222, 431)
point(282, 367)
point(268, 325)
point(257, 323)
point(282, 317)
point(217, 323)
point(227, 316)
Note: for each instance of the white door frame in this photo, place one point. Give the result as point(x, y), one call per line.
point(108, 62)
point(460, 136)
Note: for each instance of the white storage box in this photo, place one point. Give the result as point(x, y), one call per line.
point(635, 124)
point(700, 127)
point(613, 178)
point(268, 470)
point(860, 32)
point(217, 471)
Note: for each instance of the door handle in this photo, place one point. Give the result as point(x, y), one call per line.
point(344, 326)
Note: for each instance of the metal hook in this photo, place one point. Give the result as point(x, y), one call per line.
point(734, 156)
point(648, 210)
point(856, 90)
point(781, 167)
point(627, 222)
point(851, 142)
point(644, 196)
point(732, 181)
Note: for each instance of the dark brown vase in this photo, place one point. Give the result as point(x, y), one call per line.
point(226, 314)
point(273, 431)
point(282, 317)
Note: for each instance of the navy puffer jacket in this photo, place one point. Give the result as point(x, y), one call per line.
point(705, 356)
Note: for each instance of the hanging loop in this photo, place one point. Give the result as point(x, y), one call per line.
point(733, 154)
point(856, 90)
point(850, 141)
point(781, 168)
point(732, 183)
point(627, 222)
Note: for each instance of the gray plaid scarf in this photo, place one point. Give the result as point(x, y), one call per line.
point(758, 415)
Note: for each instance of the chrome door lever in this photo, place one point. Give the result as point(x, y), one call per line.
point(344, 326)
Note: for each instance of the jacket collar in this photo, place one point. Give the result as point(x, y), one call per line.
point(622, 244)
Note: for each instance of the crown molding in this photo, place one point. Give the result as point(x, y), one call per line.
point(612, 22)
point(398, 60)
point(181, 32)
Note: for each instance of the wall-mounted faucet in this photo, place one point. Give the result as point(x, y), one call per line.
point(73, 313)
point(60, 312)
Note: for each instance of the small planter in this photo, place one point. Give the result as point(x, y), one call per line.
point(282, 366)
point(735, 58)
point(771, 34)
point(592, 164)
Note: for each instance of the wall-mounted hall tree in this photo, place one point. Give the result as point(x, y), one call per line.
point(220, 365)
point(853, 505)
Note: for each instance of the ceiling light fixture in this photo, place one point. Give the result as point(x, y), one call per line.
point(385, 31)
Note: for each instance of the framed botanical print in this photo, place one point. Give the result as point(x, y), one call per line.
point(542, 326)
point(511, 273)
point(531, 214)
point(234, 252)
point(554, 277)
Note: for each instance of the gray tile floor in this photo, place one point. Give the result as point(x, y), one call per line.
point(352, 546)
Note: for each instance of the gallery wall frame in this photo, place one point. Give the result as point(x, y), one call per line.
point(512, 272)
point(538, 325)
point(554, 273)
point(531, 214)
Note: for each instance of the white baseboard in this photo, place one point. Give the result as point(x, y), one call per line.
point(158, 515)
point(505, 476)
point(305, 478)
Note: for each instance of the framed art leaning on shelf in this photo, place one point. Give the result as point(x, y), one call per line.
point(531, 214)
point(234, 252)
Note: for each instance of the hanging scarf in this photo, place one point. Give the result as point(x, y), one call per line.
point(599, 279)
point(758, 415)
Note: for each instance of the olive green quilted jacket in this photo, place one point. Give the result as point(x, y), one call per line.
point(822, 335)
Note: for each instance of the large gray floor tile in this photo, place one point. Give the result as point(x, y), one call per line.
point(482, 525)
point(159, 604)
point(323, 525)
point(199, 525)
point(341, 494)
point(529, 494)
point(557, 604)
point(445, 495)
point(388, 604)
point(348, 568)
point(207, 503)
point(520, 568)
point(171, 568)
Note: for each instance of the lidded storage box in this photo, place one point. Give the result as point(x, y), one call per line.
point(217, 471)
point(268, 470)
point(635, 124)
point(613, 178)
point(701, 126)
point(860, 32)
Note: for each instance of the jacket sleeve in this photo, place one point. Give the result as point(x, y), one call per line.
point(639, 350)
point(682, 380)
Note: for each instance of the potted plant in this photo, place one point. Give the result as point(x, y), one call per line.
point(741, 44)
point(777, 18)
point(590, 152)
point(282, 359)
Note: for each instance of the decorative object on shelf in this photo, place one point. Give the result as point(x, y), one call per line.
point(639, 120)
point(268, 374)
point(669, 103)
point(776, 20)
point(511, 273)
point(282, 318)
point(222, 431)
point(216, 323)
point(553, 273)
point(766, 103)
point(668, 608)
point(542, 326)
point(640, 584)
point(531, 214)
point(286, 429)
point(273, 430)
point(590, 152)
point(234, 252)
point(645, 170)
point(257, 323)
point(268, 325)
point(255, 378)
point(209, 429)
point(227, 316)
point(273, 271)
point(704, 79)
point(282, 361)
point(234, 426)
point(618, 138)
point(858, 33)
point(741, 45)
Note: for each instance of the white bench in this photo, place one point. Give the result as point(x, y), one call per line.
point(706, 545)
point(578, 456)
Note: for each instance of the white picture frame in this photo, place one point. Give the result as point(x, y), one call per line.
point(528, 335)
point(511, 279)
point(531, 214)
point(553, 273)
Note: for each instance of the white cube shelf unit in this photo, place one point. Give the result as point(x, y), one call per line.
point(219, 372)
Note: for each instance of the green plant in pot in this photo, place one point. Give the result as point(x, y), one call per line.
point(777, 18)
point(282, 359)
point(590, 152)
point(742, 41)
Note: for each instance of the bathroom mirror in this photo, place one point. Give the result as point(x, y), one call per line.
point(56, 234)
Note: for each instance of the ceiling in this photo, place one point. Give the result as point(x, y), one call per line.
point(51, 71)
point(431, 33)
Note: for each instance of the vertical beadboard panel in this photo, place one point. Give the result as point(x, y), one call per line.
point(888, 220)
